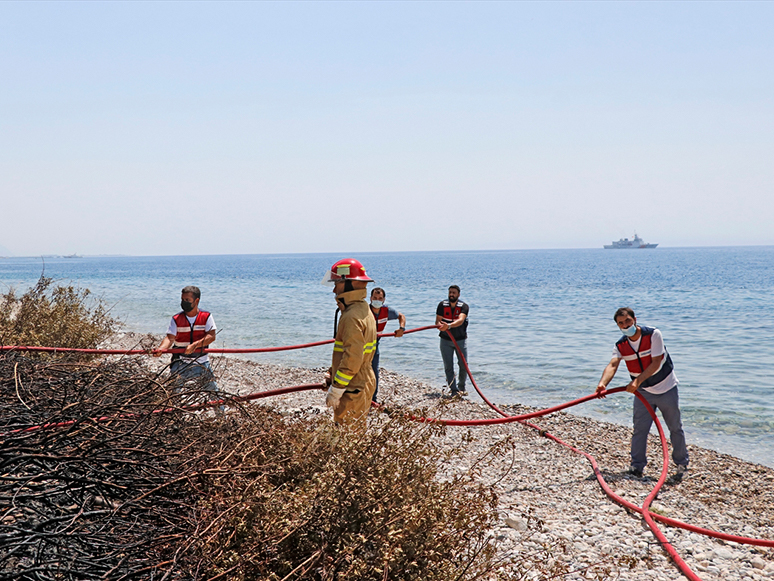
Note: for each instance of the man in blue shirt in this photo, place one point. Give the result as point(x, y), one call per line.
point(382, 313)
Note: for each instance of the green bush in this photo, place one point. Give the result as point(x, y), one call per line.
point(62, 316)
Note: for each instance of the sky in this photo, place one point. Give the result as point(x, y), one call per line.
point(238, 128)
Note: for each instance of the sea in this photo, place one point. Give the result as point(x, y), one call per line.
point(541, 321)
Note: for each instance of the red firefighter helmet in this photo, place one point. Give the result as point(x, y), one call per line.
point(346, 269)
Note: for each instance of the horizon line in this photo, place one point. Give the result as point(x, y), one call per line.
point(121, 255)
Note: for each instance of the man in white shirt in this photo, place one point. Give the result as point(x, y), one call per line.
point(192, 330)
point(652, 374)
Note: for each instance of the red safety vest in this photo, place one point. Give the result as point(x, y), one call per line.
point(186, 334)
point(381, 318)
point(450, 315)
point(638, 361)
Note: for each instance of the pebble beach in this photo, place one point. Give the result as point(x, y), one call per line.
point(548, 494)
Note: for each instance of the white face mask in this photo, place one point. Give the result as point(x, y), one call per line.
point(376, 304)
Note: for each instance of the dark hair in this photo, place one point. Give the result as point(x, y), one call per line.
point(194, 290)
point(623, 311)
point(455, 287)
point(373, 290)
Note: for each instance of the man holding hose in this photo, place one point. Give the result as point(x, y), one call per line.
point(652, 376)
point(452, 316)
point(383, 314)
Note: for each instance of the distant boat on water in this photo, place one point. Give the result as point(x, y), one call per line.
point(636, 242)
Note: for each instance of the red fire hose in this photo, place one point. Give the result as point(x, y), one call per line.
point(187, 408)
point(152, 351)
point(646, 514)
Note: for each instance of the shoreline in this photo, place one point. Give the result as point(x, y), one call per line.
point(547, 494)
point(708, 425)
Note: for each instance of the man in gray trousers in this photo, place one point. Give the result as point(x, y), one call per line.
point(452, 316)
point(653, 376)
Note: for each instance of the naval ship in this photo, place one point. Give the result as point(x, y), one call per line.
point(636, 242)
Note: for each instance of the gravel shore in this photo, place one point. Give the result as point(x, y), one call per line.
point(548, 495)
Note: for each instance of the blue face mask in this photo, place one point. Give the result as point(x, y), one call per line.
point(630, 331)
point(377, 304)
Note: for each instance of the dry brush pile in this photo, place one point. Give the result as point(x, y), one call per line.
point(252, 495)
point(91, 499)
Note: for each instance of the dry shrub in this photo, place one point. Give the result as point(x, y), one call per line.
point(254, 495)
point(305, 500)
point(62, 316)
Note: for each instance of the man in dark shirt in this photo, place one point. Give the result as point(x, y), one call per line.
point(452, 315)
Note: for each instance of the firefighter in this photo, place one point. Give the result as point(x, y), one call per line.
point(352, 381)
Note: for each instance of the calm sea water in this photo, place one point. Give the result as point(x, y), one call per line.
point(541, 327)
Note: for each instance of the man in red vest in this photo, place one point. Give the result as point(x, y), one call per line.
point(382, 314)
point(652, 376)
point(192, 330)
point(452, 316)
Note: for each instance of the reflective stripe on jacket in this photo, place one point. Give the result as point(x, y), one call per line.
point(355, 344)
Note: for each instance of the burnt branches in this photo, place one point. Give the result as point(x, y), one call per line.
point(122, 492)
point(71, 504)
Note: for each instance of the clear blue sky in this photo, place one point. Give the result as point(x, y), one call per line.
point(188, 128)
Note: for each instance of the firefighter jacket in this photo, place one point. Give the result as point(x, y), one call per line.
point(353, 351)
